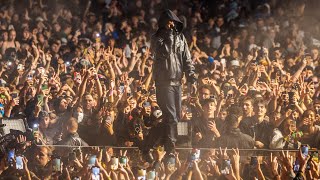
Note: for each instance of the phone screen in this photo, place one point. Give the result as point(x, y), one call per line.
point(19, 162)
point(114, 163)
point(11, 155)
point(142, 174)
point(35, 128)
point(146, 104)
point(296, 166)
point(14, 95)
point(305, 150)
point(254, 161)
point(315, 156)
point(151, 174)
point(56, 165)
point(123, 160)
point(92, 160)
point(44, 87)
point(225, 168)
point(95, 173)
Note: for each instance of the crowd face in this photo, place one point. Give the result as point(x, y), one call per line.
point(12, 35)
point(88, 102)
point(260, 110)
point(209, 110)
point(63, 105)
point(247, 108)
point(44, 123)
point(42, 156)
point(204, 94)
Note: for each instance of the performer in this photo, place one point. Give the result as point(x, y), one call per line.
point(172, 58)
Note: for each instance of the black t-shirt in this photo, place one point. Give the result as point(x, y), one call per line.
point(258, 131)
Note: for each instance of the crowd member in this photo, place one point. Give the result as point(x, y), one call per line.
point(87, 71)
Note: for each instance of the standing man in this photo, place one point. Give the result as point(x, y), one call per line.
point(172, 58)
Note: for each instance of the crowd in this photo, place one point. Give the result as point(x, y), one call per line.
point(81, 74)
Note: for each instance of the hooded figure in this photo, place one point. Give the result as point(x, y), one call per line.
point(172, 59)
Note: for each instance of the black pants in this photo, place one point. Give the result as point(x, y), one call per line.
point(169, 101)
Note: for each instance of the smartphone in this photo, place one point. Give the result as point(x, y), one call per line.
point(142, 174)
point(254, 161)
point(10, 156)
point(114, 163)
point(72, 156)
point(171, 159)
point(129, 95)
point(76, 178)
point(40, 98)
point(56, 165)
point(95, 173)
point(35, 127)
point(123, 160)
point(121, 88)
point(309, 164)
point(14, 95)
point(19, 162)
point(108, 120)
point(296, 166)
point(44, 87)
point(315, 156)
point(67, 63)
point(146, 104)
point(151, 175)
point(225, 167)
point(305, 150)
point(194, 155)
point(92, 161)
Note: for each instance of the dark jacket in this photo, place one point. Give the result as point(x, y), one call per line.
point(171, 53)
point(235, 139)
point(260, 132)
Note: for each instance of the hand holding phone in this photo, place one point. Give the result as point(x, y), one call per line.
point(19, 163)
point(225, 168)
point(95, 171)
point(56, 164)
point(92, 161)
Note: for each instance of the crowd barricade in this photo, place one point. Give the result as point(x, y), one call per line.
point(245, 154)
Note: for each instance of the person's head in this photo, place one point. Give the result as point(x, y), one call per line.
point(234, 117)
point(55, 47)
point(277, 53)
point(247, 107)
point(12, 35)
point(309, 114)
point(44, 120)
point(223, 114)
point(204, 93)
point(88, 102)
point(42, 155)
point(220, 21)
point(308, 71)
point(315, 53)
point(316, 106)
point(260, 109)
point(288, 126)
point(71, 125)
point(63, 105)
point(209, 108)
